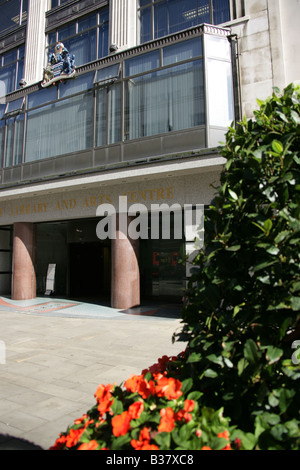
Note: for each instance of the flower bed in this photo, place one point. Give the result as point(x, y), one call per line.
point(150, 411)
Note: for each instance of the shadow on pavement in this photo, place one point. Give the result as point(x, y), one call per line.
point(14, 443)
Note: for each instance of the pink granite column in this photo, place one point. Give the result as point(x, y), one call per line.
point(125, 280)
point(24, 249)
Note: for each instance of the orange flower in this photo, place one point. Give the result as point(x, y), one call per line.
point(135, 410)
point(148, 446)
point(104, 398)
point(225, 435)
point(206, 448)
point(168, 387)
point(132, 383)
point(189, 405)
point(121, 424)
point(92, 445)
point(138, 384)
point(146, 388)
point(102, 391)
point(227, 447)
point(73, 437)
point(167, 421)
point(80, 420)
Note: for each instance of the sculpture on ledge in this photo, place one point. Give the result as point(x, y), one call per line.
point(61, 66)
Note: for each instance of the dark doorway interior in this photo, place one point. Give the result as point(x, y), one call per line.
point(88, 269)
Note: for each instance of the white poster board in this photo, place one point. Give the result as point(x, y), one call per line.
point(50, 279)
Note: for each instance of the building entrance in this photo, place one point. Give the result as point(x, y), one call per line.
point(85, 267)
point(82, 261)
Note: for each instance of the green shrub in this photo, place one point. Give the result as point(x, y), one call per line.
point(243, 309)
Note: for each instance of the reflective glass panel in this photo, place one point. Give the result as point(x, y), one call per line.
point(41, 97)
point(10, 57)
point(82, 83)
point(18, 147)
point(87, 22)
point(142, 63)
point(60, 128)
point(103, 41)
point(165, 101)
point(221, 11)
point(10, 126)
point(145, 25)
point(182, 51)
point(8, 76)
point(107, 73)
point(10, 14)
point(14, 105)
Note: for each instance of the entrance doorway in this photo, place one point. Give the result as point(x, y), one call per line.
point(82, 261)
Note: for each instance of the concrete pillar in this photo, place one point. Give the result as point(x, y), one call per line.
point(123, 23)
point(24, 250)
point(125, 280)
point(35, 41)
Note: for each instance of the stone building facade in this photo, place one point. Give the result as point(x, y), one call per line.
point(156, 85)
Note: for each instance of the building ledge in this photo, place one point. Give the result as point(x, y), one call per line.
point(201, 161)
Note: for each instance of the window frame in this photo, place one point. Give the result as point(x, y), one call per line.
point(152, 4)
point(23, 15)
point(49, 47)
point(16, 62)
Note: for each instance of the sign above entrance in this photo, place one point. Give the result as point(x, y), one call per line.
point(82, 203)
point(61, 66)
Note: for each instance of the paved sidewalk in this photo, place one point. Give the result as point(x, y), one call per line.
point(54, 353)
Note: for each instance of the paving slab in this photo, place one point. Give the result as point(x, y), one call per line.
point(55, 353)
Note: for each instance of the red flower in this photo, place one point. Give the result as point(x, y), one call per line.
point(167, 387)
point(167, 421)
point(161, 365)
point(206, 448)
point(237, 443)
point(92, 445)
point(121, 424)
point(135, 410)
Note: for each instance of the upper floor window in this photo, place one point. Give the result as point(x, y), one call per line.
point(159, 18)
point(11, 69)
point(86, 38)
point(56, 3)
point(13, 13)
